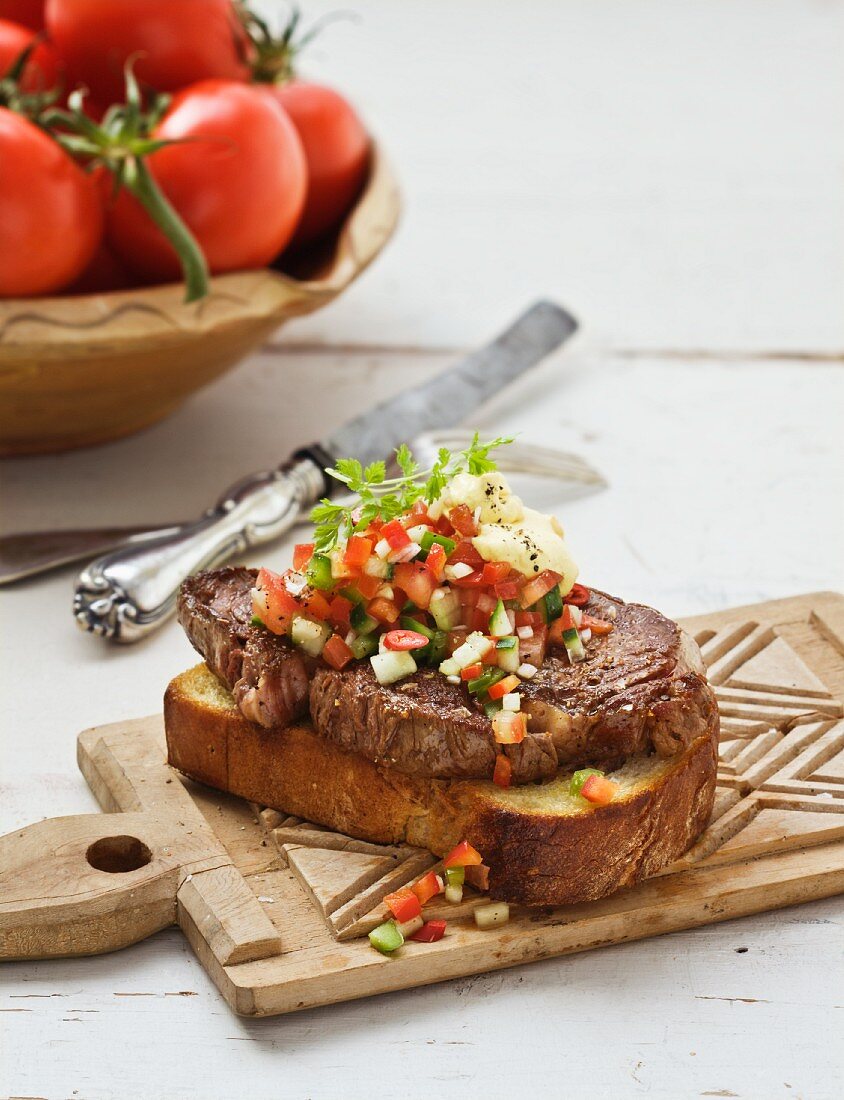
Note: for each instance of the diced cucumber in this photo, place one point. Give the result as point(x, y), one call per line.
point(445, 608)
point(363, 623)
point(553, 604)
point(352, 595)
point(364, 645)
point(455, 876)
point(509, 642)
point(319, 573)
point(574, 646)
point(377, 567)
point(392, 665)
point(386, 938)
point(499, 621)
point(508, 659)
point(450, 667)
point(309, 635)
point(454, 894)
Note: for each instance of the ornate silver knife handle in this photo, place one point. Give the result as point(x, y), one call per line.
point(127, 593)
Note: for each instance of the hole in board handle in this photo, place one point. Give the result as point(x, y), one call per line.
point(118, 854)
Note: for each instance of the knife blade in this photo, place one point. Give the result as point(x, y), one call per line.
point(130, 591)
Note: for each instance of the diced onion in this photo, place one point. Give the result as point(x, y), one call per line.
point(454, 894)
point(382, 548)
point(512, 701)
point(527, 671)
point(453, 679)
point(525, 632)
point(457, 571)
point(488, 916)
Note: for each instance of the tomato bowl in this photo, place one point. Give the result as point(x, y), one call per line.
point(85, 369)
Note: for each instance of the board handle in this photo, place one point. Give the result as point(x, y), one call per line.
point(84, 885)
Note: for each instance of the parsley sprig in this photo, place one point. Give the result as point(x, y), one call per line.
point(383, 498)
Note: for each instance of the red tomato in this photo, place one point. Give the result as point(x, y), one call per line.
point(105, 272)
point(177, 42)
point(238, 184)
point(42, 69)
point(337, 148)
point(336, 653)
point(29, 13)
point(416, 580)
point(599, 790)
point(51, 219)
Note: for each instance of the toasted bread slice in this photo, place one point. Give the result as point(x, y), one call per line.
point(543, 846)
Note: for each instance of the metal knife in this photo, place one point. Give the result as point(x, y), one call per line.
point(129, 592)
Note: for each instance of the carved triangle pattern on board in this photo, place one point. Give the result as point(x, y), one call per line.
point(780, 786)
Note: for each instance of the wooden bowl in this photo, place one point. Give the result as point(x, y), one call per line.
point(86, 369)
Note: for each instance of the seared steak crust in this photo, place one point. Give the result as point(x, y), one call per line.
point(267, 675)
point(641, 688)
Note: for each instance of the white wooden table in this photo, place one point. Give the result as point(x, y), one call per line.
point(672, 173)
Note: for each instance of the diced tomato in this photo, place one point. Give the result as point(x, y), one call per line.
point(502, 775)
point(532, 650)
point(496, 571)
point(579, 595)
point(464, 551)
point(435, 561)
point(508, 590)
point(479, 620)
point(464, 855)
point(314, 604)
point(430, 932)
point(339, 611)
point(417, 581)
point(427, 887)
point(538, 586)
point(382, 609)
point(272, 603)
point(403, 904)
point(471, 580)
point(528, 618)
point(367, 586)
point(418, 514)
point(336, 652)
point(509, 727)
point(597, 626)
point(599, 790)
point(357, 552)
point(302, 554)
point(463, 520)
point(404, 640)
point(555, 632)
point(396, 535)
point(499, 690)
point(472, 672)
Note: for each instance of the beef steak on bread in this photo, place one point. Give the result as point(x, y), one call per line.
point(543, 845)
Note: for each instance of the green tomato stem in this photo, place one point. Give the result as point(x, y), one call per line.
point(139, 180)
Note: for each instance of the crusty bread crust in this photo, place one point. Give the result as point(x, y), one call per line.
point(543, 847)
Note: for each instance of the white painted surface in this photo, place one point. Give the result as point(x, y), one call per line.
point(673, 173)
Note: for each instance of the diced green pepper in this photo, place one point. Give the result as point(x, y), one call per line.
point(486, 679)
point(580, 777)
point(352, 595)
point(455, 876)
point(318, 572)
point(429, 538)
point(492, 707)
point(362, 623)
point(364, 646)
point(256, 621)
point(409, 623)
point(436, 650)
point(553, 604)
point(386, 938)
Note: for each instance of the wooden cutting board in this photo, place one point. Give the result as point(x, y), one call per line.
point(277, 909)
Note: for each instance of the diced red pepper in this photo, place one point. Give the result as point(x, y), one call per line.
point(302, 554)
point(339, 611)
point(599, 790)
point(358, 550)
point(404, 640)
point(314, 604)
point(495, 572)
point(597, 626)
point(416, 580)
point(435, 561)
point(472, 672)
point(367, 585)
point(382, 609)
point(336, 653)
point(462, 520)
point(528, 618)
point(403, 904)
point(474, 579)
point(396, 535)
point(499, 690)
point(464, 855)
point(508, 590)
point(502, 775)
point(427, 887)
point(579, 595)
point(464, 551)
point(430, 932)
point(538, 586)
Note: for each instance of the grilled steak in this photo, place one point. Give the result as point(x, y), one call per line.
point(267, 675)
point(641, 688)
